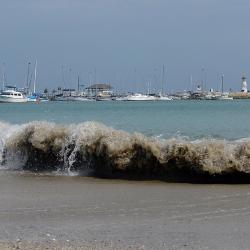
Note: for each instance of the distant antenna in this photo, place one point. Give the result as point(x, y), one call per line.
point(35, 75)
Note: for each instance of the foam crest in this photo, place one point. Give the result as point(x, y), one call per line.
point(90, 145)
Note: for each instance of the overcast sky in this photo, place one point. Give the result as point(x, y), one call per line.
point(126, 42)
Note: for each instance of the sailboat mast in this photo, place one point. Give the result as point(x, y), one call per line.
point(3, 74)
point(78, 83)
point(163, 78)
point(222, 83)
point(191, 82)
point(63, 78)
point(35, 75)
point(27, 80)
point(28, 77)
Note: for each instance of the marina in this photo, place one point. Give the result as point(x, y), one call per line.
point(106, 92)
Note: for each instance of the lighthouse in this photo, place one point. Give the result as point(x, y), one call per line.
point(244, 84)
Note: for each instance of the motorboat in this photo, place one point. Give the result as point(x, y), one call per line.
point(225, 97)
point(140, 97)
point(83, 99)
point(12, 96)
point(37, 98)
point(104, 95)
point(162, 97)
point(119, 98)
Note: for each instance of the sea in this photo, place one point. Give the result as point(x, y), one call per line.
point(127, 138)
point(125, 175)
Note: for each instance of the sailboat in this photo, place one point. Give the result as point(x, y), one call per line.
point(35, 97)
point(140, 97)
point(161, 96)
point(224, 95)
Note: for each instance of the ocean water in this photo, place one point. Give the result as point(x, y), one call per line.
point(201, 137)
point(194, 119)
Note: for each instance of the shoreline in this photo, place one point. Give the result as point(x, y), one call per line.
point(61, 212)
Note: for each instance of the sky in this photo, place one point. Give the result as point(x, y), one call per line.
point(126, 43)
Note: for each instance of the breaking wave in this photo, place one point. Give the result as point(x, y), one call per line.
point(45, 146)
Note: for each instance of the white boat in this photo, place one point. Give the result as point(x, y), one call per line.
point(37, 98)
point(104, 95)
point(163, 98)
point(140, 97)
point(209, 96)
point(72, 99)
point(225, 97)
point(12, 96)
point(120, 98)
point(83, 99)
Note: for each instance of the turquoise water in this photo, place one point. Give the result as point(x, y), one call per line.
point(192, 119)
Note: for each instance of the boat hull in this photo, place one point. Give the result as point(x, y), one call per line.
point(164, 98)
point(38, 100)
point(140, 98)
point(12, 100)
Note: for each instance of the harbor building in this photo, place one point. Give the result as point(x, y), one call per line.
point(98, 88)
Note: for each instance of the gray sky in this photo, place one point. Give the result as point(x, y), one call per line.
point(126, 42)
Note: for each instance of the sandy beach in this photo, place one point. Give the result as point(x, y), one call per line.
point(62, 212)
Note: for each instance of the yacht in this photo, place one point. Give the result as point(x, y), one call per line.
point(12, 96)
point(162, 97)
point(225, 97)
point(140, 97)
point(104, 95)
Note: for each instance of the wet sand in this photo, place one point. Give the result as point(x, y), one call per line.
point(58, 212)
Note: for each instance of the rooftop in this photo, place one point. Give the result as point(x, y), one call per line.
point(100, 86)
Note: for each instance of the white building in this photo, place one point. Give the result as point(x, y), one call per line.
point(244, 84)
